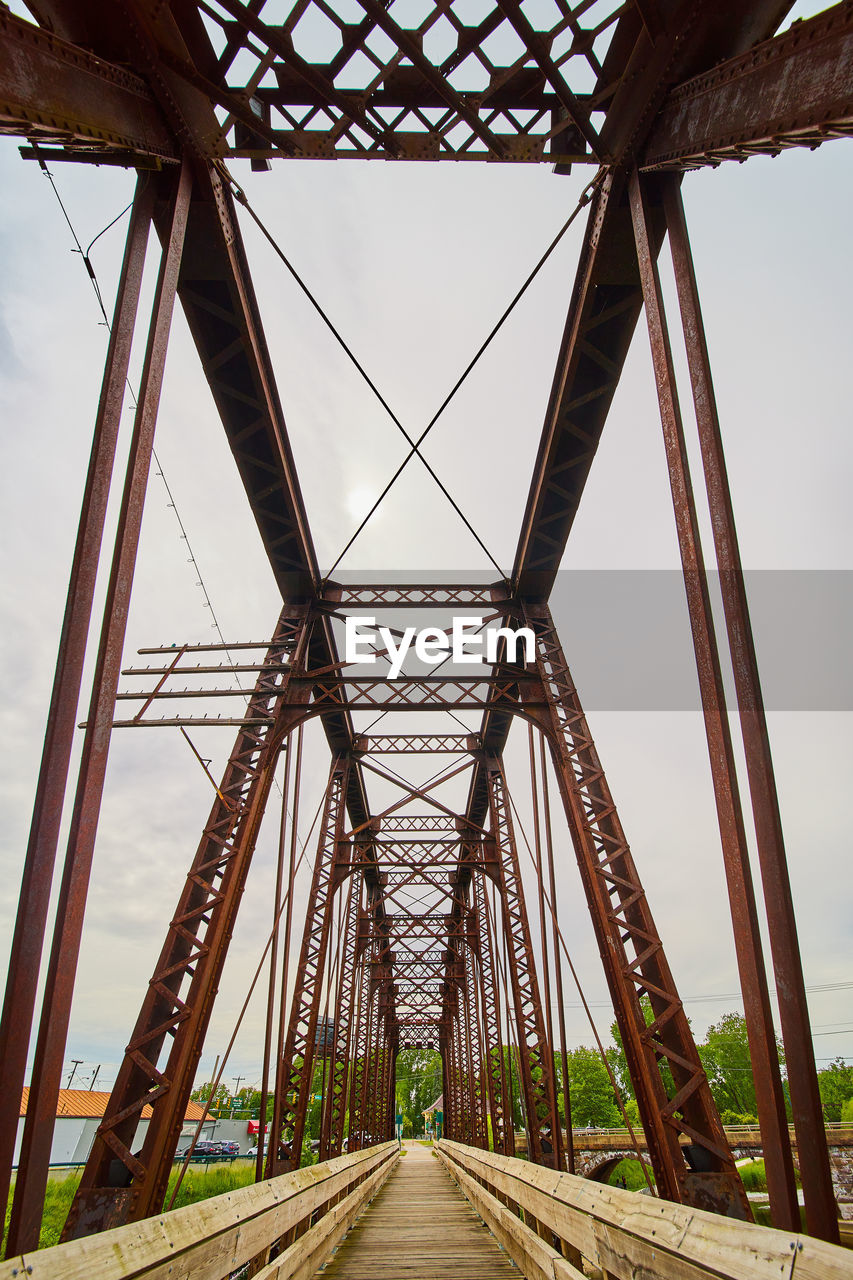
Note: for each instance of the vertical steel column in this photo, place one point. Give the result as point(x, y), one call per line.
point(31, 919)
point(331, 1138)
point(274, 1128)
point(276, 931)
point(558, 965)
point(821, 1211)
point(59, 983)
point(543, 943)
point(119, 1184)
point(295, 1068)
point(502, 1131)
point(632, 954)
point(768, 1082)
point(534, 1051)
point(477, 1056)
point(359, 1039)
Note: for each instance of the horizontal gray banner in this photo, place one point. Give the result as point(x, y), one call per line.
point(626, 634)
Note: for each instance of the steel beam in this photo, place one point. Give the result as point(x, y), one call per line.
point(795, 90)
point(295, 1069)
point(26, 1216)
point(634, 959)
point(53, 91)
point(790, 983)
point(781, 1182)
point(118, 1183)
point(28, 937)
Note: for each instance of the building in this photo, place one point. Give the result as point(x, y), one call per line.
point(78, 1114)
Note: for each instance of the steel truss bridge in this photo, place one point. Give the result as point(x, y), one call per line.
point(417, 930)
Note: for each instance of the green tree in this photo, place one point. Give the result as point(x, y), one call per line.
point(835, 1083)
point(725, 1057)
point(590, 1090)
point(221, 1097)
point(619, 1063)
point(418, 1085)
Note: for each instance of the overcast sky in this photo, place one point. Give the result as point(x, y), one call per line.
point(414, 264)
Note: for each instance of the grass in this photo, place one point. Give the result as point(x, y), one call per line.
point(632, 1172)
point(198, 1184)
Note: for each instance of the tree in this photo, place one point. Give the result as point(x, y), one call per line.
point(590, 1090)
point(221, 1097)
point(619, 1062)
point(418, 1084)
point(835, 1083)
point(725, 1057)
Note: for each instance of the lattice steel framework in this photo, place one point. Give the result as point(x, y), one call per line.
point(416, 931)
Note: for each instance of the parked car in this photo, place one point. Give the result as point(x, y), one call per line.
point(253, 1151)
point(202, 1150)
point(230, 1148)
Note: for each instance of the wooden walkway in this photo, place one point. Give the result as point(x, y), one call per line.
point(419, 1227)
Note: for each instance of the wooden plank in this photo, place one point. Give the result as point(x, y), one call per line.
point(205, 1241)
point(419, 1227)
point(310, 1251)
point(626, 1233)
point(531, 1254)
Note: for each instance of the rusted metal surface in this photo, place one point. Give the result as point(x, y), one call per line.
point(779, 1163)
point(631, 950)
point(138, 82)
point(28, 937)
point(295, 1071)
point(790, 983)
point(179, 999)
point(795, 90)
point(59, 984)
point(55, 93)
point(534, 1047)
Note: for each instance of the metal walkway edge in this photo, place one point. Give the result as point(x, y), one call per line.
point(419, 1225)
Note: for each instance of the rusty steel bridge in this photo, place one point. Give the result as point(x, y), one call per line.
point(416, 931)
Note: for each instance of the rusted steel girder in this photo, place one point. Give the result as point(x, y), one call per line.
point(762, 1041)
point(52, 91)
point(119, 1185)
point(296, 1067)
point(31, 918)
point(503, 1134)
point(606, 297)
point(534, 1050)
point(633, 956)
point(790, 984)
point(795, 90)
point(334, 1105)
point(30, 1185)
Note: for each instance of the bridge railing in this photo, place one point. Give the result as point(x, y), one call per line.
point(550, 1222)
point(284, 1227)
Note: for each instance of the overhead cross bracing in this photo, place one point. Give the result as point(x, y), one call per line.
point(156, 88)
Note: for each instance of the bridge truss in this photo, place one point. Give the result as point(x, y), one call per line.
point(417, 930)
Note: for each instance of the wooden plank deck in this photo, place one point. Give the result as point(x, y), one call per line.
point(419, 1227)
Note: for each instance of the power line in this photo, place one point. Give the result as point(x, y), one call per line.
point(200, 582)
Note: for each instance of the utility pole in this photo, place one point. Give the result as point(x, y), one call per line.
point(94, 1077)
point(237, 1081)
point(76, 1062)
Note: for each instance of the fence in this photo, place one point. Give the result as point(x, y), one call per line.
point(284, 1227)
point(548, 1222)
